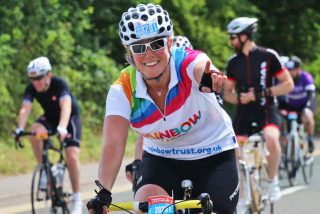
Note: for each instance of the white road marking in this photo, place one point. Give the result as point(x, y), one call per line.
point(291, 190)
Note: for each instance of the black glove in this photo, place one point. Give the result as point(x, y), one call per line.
point(134, 167)
point(206, 81)
point(135, 163)
point(103, 198)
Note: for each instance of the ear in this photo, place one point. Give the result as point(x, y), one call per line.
point(49, 74)
point(170, 41)
point(243, 37)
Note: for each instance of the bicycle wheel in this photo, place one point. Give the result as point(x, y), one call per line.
point(307, 168)
point(255, 190)
point(40, 198)
point(244, 205)
point(292, 162)
point(59, 204)
point(264, 188)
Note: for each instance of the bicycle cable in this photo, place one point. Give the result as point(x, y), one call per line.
point(173, 205)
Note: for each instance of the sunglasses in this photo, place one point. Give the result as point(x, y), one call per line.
point(154, 46)
point(232, 37)
point(36, 78)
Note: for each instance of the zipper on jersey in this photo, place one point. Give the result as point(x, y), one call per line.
point(164, 109)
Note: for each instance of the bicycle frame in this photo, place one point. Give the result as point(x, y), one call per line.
point(254, 172)
point(58, 195)
point(52, 192)
point(295, 155)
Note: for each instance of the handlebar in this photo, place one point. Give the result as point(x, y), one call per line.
point(203, 202)
point(40, 136)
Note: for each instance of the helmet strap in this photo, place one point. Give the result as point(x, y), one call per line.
point(242, 43)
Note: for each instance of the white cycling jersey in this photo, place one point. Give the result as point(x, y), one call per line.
point(193, 125)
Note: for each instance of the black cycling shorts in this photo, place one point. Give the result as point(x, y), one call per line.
point(74, 129)
point(243, 120)
point(216, 175)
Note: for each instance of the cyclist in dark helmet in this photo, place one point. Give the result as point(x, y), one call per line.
point(302, 98)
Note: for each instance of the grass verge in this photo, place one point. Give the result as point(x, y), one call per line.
point(13, 161)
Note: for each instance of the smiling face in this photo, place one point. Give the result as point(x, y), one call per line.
point(151, 63)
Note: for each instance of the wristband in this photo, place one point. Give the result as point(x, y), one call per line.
point(62, 130)
point(18, 131)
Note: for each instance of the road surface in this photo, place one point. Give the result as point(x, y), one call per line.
point(15, 191)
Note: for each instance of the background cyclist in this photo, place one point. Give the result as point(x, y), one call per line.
point(251, 73)
point(302, 98)
point(186, 132)
point(61, 113)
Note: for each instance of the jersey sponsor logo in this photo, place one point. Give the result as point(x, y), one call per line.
point(235, 192)
point(170, 134)
point(188, 151)
point(263, 77)
point(234, 139)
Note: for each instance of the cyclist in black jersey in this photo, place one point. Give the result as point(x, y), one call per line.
point(251, 73)
point(61, 114)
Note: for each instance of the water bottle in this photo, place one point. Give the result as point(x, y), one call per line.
point(54, 171)
point(59, 175)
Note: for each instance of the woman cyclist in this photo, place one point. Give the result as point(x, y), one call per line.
point(186, 132)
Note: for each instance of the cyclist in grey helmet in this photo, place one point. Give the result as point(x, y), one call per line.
point(166, 96)
point(251, 74)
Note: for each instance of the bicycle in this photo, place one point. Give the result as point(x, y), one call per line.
point(253, 173)
point(54, 171)
point(295, 154)
point(184, 206)
point(164, 205)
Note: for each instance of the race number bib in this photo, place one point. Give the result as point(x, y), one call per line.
point(160, 204)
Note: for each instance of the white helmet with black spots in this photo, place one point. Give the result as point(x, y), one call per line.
point(179, 41)
point(38, 67)
point(144, 22)
point(243, 25)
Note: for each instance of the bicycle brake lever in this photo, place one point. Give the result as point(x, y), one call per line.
point(18, 144)
point(206, 203)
